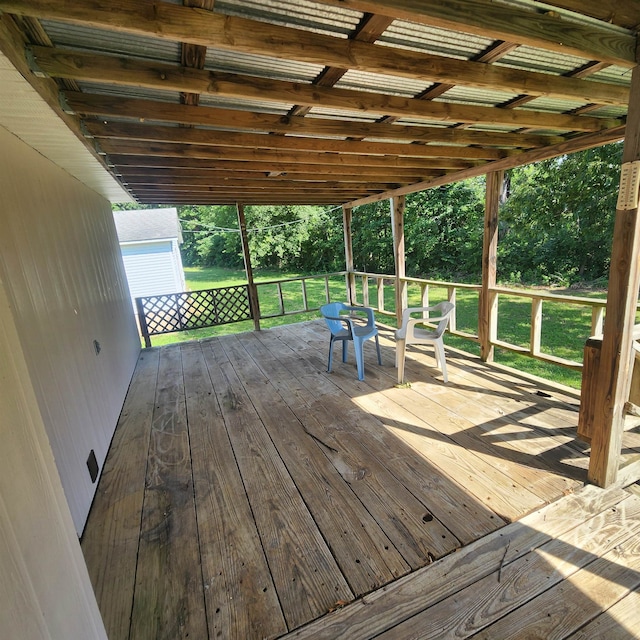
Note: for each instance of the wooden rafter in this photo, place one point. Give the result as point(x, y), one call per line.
point(174, 22)
point(121, 71)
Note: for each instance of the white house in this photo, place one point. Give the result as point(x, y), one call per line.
point(150, 245)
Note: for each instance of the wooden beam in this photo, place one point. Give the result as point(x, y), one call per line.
point(253, 291)
point(139, 109)
point(614, 371)
point(258, 142)
point(618, 12)
point(194, 55)
point(183, 24)
point(231, 183)
point(397, 205)
point(219, 176)
point(121, 71)
point(348, 255)
point(580, 143)
point(143, 165)
point(369, 29)
point(487, 311)
point(541, 29)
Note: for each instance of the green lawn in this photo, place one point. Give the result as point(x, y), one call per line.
point(564, 330)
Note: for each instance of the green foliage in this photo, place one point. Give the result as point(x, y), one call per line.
point(555, 228)
point(557, 225)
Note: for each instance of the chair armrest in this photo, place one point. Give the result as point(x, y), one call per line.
point(367, 310)
point(344, 320)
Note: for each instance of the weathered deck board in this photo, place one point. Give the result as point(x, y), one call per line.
point(369, 445)
point(619, 622)
point(241, 600)
point(386, 609)
point(260, 461)
point(110, 539)
point(481, 478)
point(528, 592)
point(406, 520)
point(306, 575)
point(168, 600)
point(346, 525)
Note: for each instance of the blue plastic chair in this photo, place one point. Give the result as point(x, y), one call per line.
point(344, 328)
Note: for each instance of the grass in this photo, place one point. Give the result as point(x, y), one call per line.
point(565, 327)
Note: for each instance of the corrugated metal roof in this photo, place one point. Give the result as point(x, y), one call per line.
point(378, 83)
point(263, 66)
point(553, 105)
point(260, 106)
point(294, 13)
point(420, 37)
point(474, 96)
point(91, 39)
point(531, 59)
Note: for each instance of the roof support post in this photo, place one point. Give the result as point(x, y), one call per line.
point(397, 224)
point(348, 254)
point(614, 371)
point(487, 304)
point(254, 303)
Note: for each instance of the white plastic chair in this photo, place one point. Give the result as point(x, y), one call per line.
point(410, 334)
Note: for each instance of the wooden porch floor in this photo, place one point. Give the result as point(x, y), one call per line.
point(250, 494)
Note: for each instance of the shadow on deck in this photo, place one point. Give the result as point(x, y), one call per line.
point(248, 493)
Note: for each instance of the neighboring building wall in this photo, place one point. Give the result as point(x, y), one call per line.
point(45, 591)
point(153, 268)
point(60, 260)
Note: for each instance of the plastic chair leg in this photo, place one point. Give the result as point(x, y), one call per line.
point(401, 346)
point(330, 355)
point(344, 350)
point(357, 344)
point(378, 349)
point(441, 360)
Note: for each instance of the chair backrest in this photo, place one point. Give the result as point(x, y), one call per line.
point(442, 310)
point(333, 310)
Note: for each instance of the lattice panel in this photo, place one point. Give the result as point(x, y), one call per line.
point(193, 309)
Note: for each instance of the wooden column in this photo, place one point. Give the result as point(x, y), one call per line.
point(348, 255)
point(614, 375)
point(397, 224)
point(487, 316)
point(253, 291)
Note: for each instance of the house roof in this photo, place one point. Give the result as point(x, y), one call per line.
point(147, 224)
point(324, 101)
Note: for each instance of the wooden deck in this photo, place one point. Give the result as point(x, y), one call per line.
point(250, 494)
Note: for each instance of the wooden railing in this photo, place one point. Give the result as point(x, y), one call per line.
point(197, 309)
point(384, 303)
point(304, 294)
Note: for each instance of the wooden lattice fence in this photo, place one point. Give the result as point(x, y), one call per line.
point(172, 312)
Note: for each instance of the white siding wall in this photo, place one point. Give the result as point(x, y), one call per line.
point(153, 268)
point(45, 591)
point(60, 258)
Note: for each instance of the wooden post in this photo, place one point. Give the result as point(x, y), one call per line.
point(487, 317)
point(614, 371)
point(348, 255)
point(254, 303)
point(397, 224)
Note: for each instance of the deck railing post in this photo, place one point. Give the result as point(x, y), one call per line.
point(142, 321)
point(486, 320)
point(254, 302)
point(536, 326)
point(348, 255)
point(397, 224)
point(614, 370)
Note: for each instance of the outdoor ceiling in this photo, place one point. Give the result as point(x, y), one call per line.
point(293, 101)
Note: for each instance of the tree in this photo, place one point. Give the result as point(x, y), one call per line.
point(557, 224)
